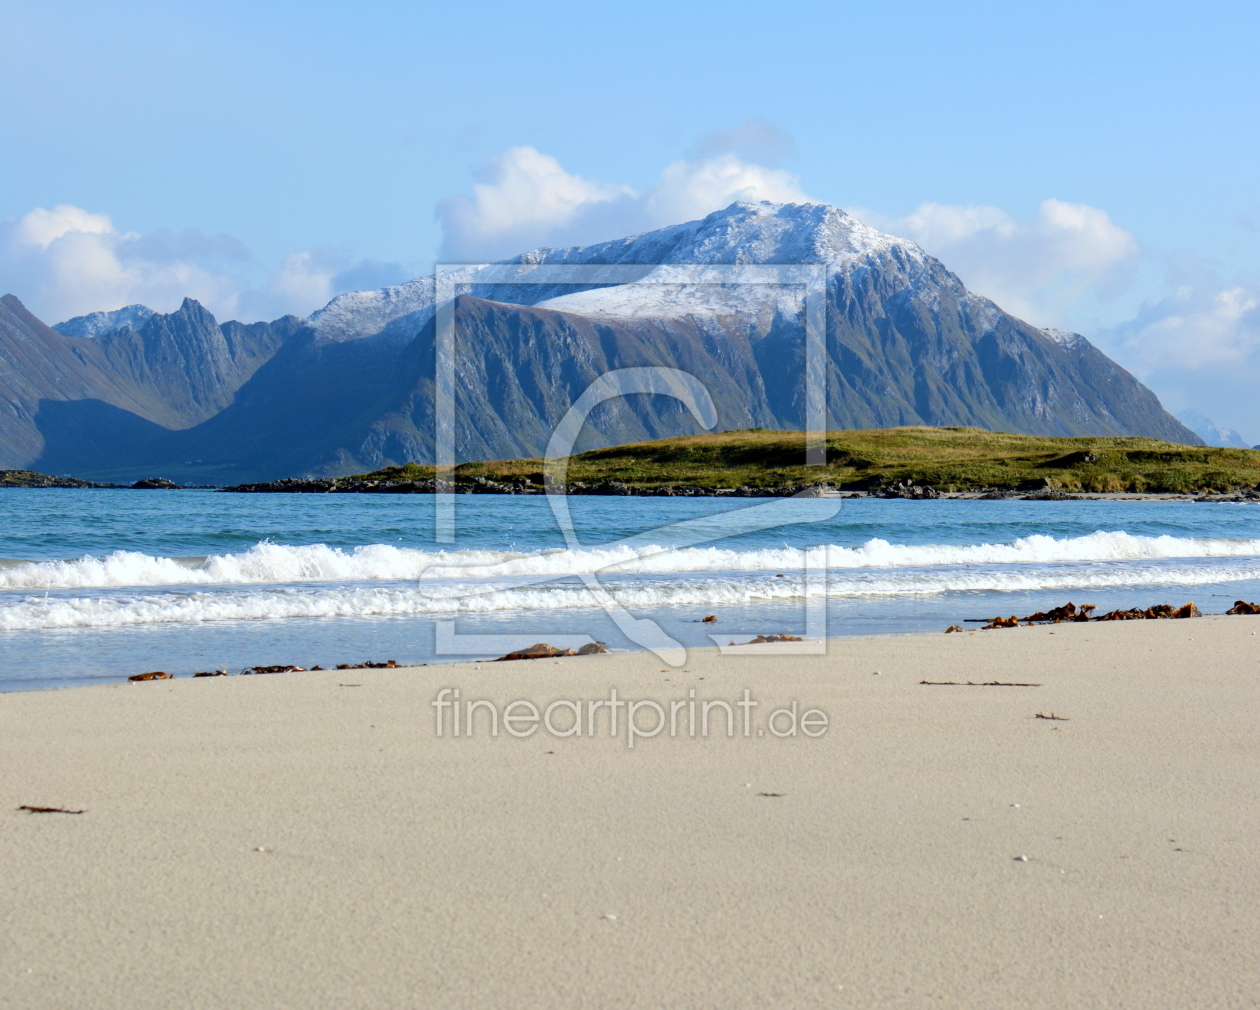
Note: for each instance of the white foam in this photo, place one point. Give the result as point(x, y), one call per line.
point(116, 610)
point(279, 563)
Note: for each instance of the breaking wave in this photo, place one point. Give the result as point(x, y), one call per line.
point(268, 562)
point(118, 610)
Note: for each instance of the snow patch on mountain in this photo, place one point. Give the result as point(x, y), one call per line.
point(653, 299)
point(982, 312)
point(1066, 338)
point(365, 313)
point(745, 233)
point(96, 324)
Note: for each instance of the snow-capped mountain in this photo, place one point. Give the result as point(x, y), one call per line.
point(96, 324)
point(744, 233)
point(352, 388)
point(1211, 432)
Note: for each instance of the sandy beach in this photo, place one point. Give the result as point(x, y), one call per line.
point(308, 840)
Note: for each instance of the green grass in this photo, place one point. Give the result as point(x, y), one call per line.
point(956, 459)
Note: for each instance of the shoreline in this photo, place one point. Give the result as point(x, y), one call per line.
point(1068, 615)
point(998, 495)
point(308, 839)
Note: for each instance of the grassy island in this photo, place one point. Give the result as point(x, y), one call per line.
point(948, 459)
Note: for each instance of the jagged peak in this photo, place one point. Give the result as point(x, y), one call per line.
point(192, 307)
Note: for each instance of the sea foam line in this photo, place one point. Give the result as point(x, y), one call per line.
point(268, 562)
point(36, 613)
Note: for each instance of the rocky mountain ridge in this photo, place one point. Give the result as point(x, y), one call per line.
point(77, 404)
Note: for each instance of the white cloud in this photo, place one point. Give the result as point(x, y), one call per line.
point(1196, 327)
point(691, 189)
point(521, 194)
point(305, 278)
point(1199, 347)
point(68, 261)
point(1038, 270)
point(41, 228)
point(525, 199)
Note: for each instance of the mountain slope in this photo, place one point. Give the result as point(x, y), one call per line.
point(191, 364)
point(76, 403)
point(39, 366)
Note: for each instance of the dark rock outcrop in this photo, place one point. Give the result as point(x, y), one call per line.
point(292, 485)
point(29, 478)
point(483, 485)
point(1069, 612)
point(1238, 497)
point(1161, 611)
point(156, 484)
point(914, 492)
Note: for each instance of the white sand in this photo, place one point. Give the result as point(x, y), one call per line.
point(285, 842)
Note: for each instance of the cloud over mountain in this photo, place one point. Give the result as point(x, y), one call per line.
point(526, 199)
point(1037, 269)
point(1197, 326)
point(1200, 346)
point(67, 261)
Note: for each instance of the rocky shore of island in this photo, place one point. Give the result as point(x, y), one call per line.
point(485, 485)
point(821, 489)
point(909, 490)
point(30, 478)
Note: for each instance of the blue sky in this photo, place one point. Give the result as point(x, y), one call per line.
point(1088, 166)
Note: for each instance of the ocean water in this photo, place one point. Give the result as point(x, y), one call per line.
point(98, 585)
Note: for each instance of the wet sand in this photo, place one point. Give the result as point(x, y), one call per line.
point(289, 842)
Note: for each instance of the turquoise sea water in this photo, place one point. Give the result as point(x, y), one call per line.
point(102, 584)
